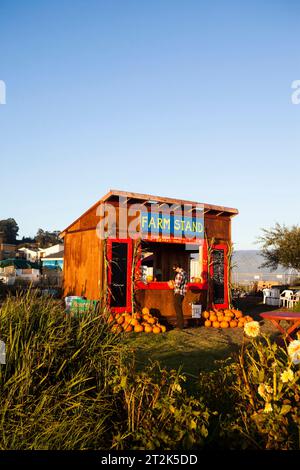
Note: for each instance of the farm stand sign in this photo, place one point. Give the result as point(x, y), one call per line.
point(171, 225)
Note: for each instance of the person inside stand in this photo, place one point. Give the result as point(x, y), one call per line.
point(179, 285)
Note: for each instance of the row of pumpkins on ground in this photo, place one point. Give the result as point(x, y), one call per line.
point(137, 322)
point(228, 318)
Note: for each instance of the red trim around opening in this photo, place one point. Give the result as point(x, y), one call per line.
point(223, 247)
point(128, 241)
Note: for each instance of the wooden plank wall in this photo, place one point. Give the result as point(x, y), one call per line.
point(82, 264)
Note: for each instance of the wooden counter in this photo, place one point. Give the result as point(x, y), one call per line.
point(161, 301)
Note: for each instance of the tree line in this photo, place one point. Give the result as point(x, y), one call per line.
point(9, 231)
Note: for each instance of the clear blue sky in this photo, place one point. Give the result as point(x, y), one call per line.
point(186, 99)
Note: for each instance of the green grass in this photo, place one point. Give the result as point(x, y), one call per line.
point(195, 349)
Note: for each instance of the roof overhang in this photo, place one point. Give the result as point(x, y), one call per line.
point(114, 195)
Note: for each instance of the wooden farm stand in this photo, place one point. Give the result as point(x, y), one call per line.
point(112, 267)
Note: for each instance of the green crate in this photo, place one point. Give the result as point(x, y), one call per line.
point(82, 306)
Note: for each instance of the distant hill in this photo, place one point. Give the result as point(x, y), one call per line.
point(247, 267)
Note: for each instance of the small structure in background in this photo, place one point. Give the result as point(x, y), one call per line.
point(7, 250)
point(34, 254)
point(54, 260)
point(52, 268)
point(19, 270)
point(28, 253)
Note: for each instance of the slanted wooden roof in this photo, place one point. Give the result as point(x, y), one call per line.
point(131, 198)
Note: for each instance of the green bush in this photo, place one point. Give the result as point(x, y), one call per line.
point(257, 398)
point(160, 414)
point(70, 383)
point(54, 388)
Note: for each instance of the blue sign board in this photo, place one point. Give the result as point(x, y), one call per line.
point(177, 226)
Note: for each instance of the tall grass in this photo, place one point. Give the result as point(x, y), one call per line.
point(55, 389)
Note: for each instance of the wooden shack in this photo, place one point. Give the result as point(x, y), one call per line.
point(124, 246)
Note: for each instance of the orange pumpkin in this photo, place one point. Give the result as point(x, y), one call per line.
point(205, 314)
point(233, 324)
point(138, 328)
point(145, 311)
point(238, 314)
point(120, 320)
point(151, 320)
point(216, 324)
point(163, 328)
point(134, 322)
point(240, 324)
point(224, 324)
point(156, 329)
point(227, 318)
point(127, 328)
point(207, 323)
point(148, 329)
point(213, 318)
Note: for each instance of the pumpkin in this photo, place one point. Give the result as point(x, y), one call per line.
point(151, 320)
point(247, 319)
point(207, 323)
point(233, 324)
point(128, 318)
point(138, 328)
point(120, 320)
point(226, 318)
point(240, 324)
point(213, 318)
point(163, 328)
point(127, 328)
point(156, 329)
point(145, 311)
point(148, 329)
point(224, 324)
point(238, 314)
point(205, 314)
point(134, 322)
point(216, 324)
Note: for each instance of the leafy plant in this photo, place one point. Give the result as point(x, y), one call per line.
point(268, 389)
point(160, 414)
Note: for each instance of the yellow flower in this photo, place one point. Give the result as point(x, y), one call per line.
point(287, 376)
point(268, 408)
point(269, 389)
point(252, 329)
point(294, 351)
point(263, 390)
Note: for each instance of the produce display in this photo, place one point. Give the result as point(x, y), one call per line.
point(137, 322)
point(227, 318)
